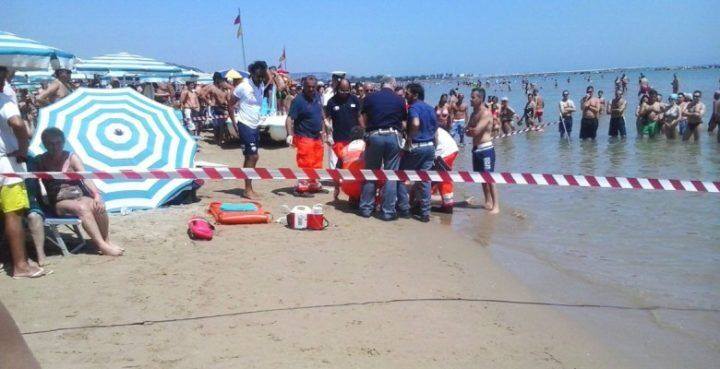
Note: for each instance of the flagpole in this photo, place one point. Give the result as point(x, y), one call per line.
point(242, 41)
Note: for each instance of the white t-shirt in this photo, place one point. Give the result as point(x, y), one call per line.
point(8, 90)
point(446, 145)
point(250, 99)
point(327, 95)
point(8, 141)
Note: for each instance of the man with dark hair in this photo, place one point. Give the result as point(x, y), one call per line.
point(650, 110)
point(419, 150)
point(383, 115)
point(590, 106)
point(483, 152)
point(190, 105)
point(694, 111)
point(567, 108)
point(306, 132)
point(216, 96)
point(343, 110)
point(458, 111)
point(58, 89)
point(617, 115)
point(248, 96)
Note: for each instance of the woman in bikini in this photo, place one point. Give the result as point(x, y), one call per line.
point(671, 118)
point(442, 112)
point(74, 197)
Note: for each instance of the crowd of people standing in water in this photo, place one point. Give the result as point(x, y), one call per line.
point(680, 116)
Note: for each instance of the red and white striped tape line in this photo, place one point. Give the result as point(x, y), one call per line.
point(227, 173)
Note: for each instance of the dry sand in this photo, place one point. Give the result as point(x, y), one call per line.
point(361, 294)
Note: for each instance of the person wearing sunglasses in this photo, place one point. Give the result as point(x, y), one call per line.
point(343, 111)
point(694, 112)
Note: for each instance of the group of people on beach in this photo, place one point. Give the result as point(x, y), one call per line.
point(389, 128)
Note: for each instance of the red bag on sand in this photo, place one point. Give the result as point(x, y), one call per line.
point(239, 217)
point(200, 229)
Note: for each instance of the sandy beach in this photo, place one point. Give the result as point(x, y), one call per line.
point(361, 294)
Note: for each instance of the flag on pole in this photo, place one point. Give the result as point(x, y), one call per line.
point(282, 57)
point(239, 24)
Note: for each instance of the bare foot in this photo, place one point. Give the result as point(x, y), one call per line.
point(495, 210)
point(110, 249)
point(487, 206)
point(336, 193)
point(251, 195)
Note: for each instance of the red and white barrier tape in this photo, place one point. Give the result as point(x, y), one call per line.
point(562, 180)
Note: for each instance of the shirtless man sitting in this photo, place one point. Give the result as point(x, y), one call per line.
point(590, 106)
point(651, 111)
point(458, 111)
point(694, 113)
point(58, 89)
point(480, 127)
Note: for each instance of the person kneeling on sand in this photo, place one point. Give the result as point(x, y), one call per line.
point(74, 197)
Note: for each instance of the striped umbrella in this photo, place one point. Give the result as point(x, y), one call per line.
point(112, 129)
point(124, 64)
point(25, 54)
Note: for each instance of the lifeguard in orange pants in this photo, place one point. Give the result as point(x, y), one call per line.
point(446, 150)
point(306, 132)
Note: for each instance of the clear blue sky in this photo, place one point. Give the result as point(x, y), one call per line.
point(397, 37)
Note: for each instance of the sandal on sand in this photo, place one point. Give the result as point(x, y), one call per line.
point(40, 273)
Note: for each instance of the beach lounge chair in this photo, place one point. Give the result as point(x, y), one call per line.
point(52, 233)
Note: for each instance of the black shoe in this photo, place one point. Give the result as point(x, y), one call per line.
point(364, 214)
point(422, 218)
point(388, 218)
point(404, 214)
point(443, 209)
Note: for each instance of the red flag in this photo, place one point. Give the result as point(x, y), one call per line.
point(237, 19)
point(282, 57)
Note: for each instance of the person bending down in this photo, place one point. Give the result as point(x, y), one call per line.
point(74, 197)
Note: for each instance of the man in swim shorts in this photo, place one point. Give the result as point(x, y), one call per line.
point(651, 110)
point(567, 108)
point(458, 110)
point(590, 106)
point(617, 115)
point(483, 153)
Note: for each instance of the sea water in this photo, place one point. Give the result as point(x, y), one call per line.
point(616, 248)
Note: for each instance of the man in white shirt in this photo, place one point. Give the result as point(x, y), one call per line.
point(14, 142)
point(567, 107)
point(248, 96)
point(330, 91)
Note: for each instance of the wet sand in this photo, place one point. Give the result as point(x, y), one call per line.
point(363, 293)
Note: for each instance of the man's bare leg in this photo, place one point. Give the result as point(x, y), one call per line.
point(250, 162)
point(15, 235)
point(495, 202)
point(36, 225)
point(488, 199)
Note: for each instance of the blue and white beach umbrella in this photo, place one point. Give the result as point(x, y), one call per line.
point(25, 54)
point(113, 129)
point(125, 64)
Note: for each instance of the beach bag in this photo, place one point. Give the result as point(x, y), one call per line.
point(247, 212)
point(200, 229)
